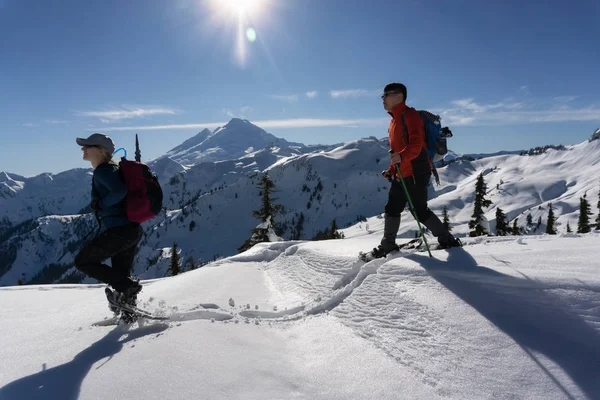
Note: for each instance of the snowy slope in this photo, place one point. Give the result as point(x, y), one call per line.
point(501, 318)
point(22, 198)
point(209, 205)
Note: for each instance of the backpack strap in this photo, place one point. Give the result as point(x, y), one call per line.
point(404, 128)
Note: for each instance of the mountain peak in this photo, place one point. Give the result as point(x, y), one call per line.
point(190, 143)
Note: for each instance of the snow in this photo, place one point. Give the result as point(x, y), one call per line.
point(209, 201)
point(503, 317)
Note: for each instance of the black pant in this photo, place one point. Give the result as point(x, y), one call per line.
point(417, 189)
point(119, 244)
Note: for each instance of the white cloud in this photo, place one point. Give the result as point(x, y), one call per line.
point(341, 94)
point(468, 112)
point(565, 99)
point(469, 104)
point(228, 112)
point(56, 121)
point(30, 125)
point(312, 95)
point(283, 123)
point(289, 98)
point(127, 112)
point(241, 114)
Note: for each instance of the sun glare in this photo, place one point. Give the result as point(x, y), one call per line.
point(243, 7)
point(243, 16)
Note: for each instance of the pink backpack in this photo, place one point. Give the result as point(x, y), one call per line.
point(144, 194)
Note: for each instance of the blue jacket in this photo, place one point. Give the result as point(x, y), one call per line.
point(110, 191)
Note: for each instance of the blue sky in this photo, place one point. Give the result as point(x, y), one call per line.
point(504, 75)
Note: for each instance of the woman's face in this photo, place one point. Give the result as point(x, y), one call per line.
point(92, 153)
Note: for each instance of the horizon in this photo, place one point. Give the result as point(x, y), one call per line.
point(217, 126)
point(302, 71)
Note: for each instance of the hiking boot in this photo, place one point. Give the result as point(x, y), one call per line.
point(113, 298)
point(450, 241)
point(384, 249)
point(129, 295)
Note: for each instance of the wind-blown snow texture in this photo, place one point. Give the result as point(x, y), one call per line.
point(501, 318)
point(41, 228)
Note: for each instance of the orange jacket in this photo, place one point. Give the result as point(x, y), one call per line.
point(410, 145)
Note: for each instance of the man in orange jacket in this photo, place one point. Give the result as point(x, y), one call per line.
point(408, 149)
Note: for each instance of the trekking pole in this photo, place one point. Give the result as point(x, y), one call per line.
point(412, 208)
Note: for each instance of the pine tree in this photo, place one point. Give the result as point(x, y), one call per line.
point(529, 220)
point(583, 225)
point(190, 264)
point(539, 223)
point(551, 220)
point(268, 211)
point(480, 203)
point(569, 230)
point(333, 232)
point(598, 217)
point(501, 225)
point(515, 228)
point(299, 228)
point(175, 264)
point(446, 219)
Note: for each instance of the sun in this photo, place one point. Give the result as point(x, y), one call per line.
point(242, 8)
point(241, 18)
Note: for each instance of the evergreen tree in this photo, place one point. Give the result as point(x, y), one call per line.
point(329, 233)
point(480, 203)
point(322, 235)
point(268, 211)
point(515, 228)
point(551, 220)
point(333, 232)
point(446, 219)
point(583, 225)
point(539, 223)
point(299, 228)
point(190, 264)
point(569, 230)
point(175, 264)
point(501, 225)
point(529, 220)
point(598, 217)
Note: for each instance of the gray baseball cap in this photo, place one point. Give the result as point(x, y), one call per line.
point(98, 139)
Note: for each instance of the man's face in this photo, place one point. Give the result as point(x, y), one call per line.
point(392, 99)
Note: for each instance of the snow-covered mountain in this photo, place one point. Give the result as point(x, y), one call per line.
point(238, 139)
point(501, 318)
point(209, 205)
point(23, 199)
point(234, 140)
point(595, 135)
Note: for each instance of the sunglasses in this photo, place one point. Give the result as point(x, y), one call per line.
point(85, 147)
point(386, 94)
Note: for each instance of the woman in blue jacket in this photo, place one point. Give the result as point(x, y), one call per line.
point(118, 237)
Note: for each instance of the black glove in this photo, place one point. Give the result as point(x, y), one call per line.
point(387, 174)
point(95, 204)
